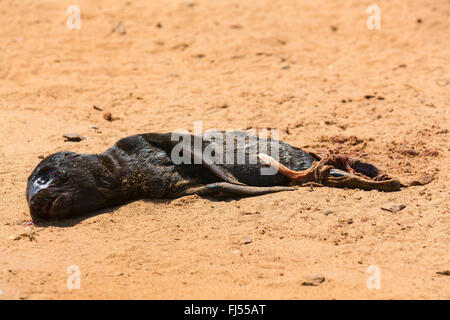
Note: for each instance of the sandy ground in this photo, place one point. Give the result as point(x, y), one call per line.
point(311, 69)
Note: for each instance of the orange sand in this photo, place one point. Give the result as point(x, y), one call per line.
point(303, 67)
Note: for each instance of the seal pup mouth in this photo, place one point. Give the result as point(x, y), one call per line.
point(49, 208)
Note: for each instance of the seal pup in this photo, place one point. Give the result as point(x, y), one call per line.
point(142, 166)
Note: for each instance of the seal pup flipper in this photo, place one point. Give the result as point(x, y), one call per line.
point(167, 142)
point(215, 189)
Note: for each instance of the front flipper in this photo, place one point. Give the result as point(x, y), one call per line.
point(195, 146)
point(215, 189)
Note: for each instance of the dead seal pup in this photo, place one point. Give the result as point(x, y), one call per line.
point(171, 165)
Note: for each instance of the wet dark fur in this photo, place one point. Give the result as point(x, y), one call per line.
point(137, 167)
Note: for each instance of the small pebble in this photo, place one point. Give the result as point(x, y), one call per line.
point(73, 137)
point(394, 208)
point(444, 273)
point(29, 233)
point(246, 241)
point(108, 116)
point(313, 280)
point(14, 237)
point(119, 28)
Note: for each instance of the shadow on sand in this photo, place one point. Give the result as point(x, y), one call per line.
point(70, 222)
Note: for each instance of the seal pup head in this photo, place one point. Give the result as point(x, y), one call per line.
point(66, 184)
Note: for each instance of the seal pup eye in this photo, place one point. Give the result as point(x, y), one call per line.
point(42, 180)
point(45, 177)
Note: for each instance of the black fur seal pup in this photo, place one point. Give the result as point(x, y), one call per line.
point(67, 184)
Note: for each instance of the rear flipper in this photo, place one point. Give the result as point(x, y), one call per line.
point(226, 188)
point(337, 170)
